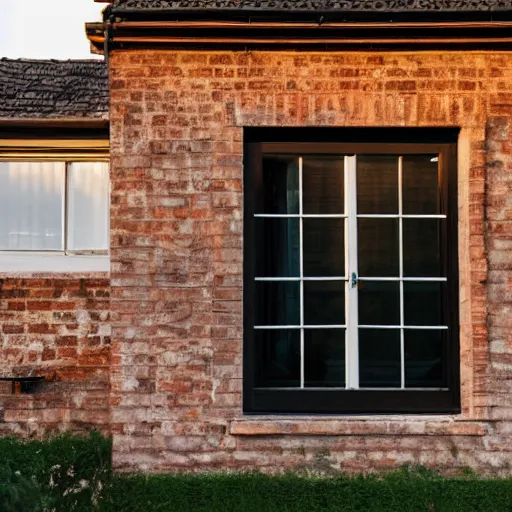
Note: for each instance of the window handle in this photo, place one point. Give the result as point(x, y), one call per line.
point(354, 280)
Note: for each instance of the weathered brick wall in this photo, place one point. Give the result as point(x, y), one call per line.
point(177, 122)
point(58, 327)
point(498, 216)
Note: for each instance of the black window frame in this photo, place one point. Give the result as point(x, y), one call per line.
point(443, 141)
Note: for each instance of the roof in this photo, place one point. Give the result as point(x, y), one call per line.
point(52, 89)
point(319, 5)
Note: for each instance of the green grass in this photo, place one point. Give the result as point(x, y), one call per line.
point(404, 490)
point(73, 474)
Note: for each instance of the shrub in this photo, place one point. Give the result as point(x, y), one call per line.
point(17, 494)
point(69, 471)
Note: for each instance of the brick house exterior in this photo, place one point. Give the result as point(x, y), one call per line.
point(54, 323)
point(187, 86)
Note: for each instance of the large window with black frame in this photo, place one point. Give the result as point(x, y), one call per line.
point(350, 278)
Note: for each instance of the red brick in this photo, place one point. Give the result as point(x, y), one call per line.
point(43, 319)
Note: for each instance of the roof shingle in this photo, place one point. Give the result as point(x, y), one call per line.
point(51, 89)
point(320, 5)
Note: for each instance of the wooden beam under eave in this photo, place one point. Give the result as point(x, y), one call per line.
point(99, 144)
point(375, 43)
point(307, 41)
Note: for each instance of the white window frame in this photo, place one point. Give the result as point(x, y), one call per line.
point(60, 261)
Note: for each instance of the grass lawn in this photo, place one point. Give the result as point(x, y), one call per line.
point(73, 474)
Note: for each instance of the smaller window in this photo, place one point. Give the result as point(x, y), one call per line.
point(54, 206)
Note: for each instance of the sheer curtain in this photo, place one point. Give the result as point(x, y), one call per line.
point(88, 206)
point(32, 205)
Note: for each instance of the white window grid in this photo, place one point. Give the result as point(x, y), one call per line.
point(352, 326)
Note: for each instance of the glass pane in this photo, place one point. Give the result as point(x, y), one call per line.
point(425, 365)
point(421, 248)
point(324, 302)
point(277, 303)
point(277, 247)
point(377, 184)
point(420, 185)
point(280, 185)
point(31, 205)
point(378, 247)
point(379, 303)
point(379, 358)
point(88, 206)
point(323, 185)
point(324, 358)
point(324, 247)
point(423, 303)
point(277, 358)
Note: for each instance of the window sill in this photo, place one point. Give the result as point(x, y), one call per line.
point(42, 262)
point(444, 425)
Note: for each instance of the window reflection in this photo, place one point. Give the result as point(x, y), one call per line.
point(31, 205)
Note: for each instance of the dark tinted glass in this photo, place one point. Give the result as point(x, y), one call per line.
point(280, 189)
point(379, 303)
point(420, 185)
point(324, 247)
point(379, 358)
point(377, 184)
point(324, 352)
point(277, 358)
point(324, 302)
point(277, 303)
point(425, 365)
point(277, 247)
point(422, 303)
point(323, 185)
point(421, 248)
point(378, 247)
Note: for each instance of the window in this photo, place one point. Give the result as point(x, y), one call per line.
point(350, 274)
point(54, 206)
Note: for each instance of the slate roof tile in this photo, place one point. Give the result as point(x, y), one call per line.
point(321, 5)
point(49, 89)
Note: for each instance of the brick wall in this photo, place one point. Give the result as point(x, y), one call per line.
point(177, 121)
point(57, 327)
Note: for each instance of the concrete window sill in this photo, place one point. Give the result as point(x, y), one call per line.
point(404, 426)
point(51, 263)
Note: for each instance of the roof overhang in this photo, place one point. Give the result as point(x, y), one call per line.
point(54, 128)
point(54, 138)
point(295, 29)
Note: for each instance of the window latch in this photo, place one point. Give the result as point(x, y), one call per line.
point(354, 280)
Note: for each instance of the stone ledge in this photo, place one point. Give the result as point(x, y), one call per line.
point(354, 427)
point(55, 275)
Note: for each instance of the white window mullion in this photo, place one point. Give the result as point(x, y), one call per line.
point(352, 342)
point(401, 270)
point(65, 207)
point(301, 270)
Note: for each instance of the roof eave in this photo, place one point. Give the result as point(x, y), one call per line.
point(70, 122)
point(324, 34)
